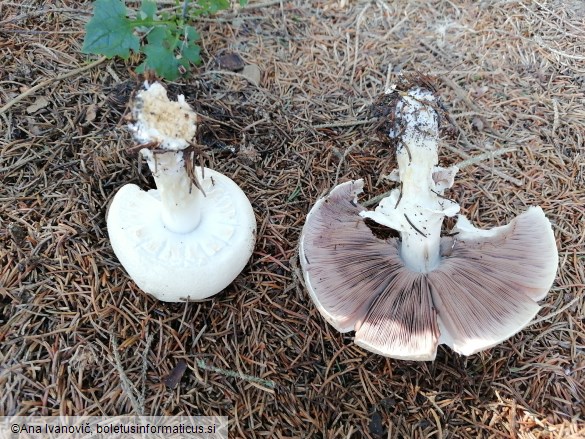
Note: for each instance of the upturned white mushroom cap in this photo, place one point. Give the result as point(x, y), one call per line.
point(179, 266)
point(404, 296)
point(189, 238)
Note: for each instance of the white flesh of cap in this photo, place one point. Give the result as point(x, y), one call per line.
point(183, 266)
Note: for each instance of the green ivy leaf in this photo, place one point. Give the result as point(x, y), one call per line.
point(218, 5)
point(148, 8)
point(110, 32)
point(162, 61)
point(211, 6)
point(192, 53)
point(191, 33)
point(165, 39)
point(159, 36)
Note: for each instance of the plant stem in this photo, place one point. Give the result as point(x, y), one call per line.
point(185, 8)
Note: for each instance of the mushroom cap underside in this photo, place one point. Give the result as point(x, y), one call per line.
point(183, 266)
point(483, 291)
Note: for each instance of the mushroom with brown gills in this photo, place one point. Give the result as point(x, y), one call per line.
point(404, 296)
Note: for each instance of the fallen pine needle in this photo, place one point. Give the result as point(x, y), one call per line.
point(228, 373)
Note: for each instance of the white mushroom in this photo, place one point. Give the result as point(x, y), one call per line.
point(403, 296)
point(192, 236)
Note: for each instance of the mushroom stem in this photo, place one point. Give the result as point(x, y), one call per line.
point(421, 253)
point(171, 126)
point(416, 210)
point(180, 199)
